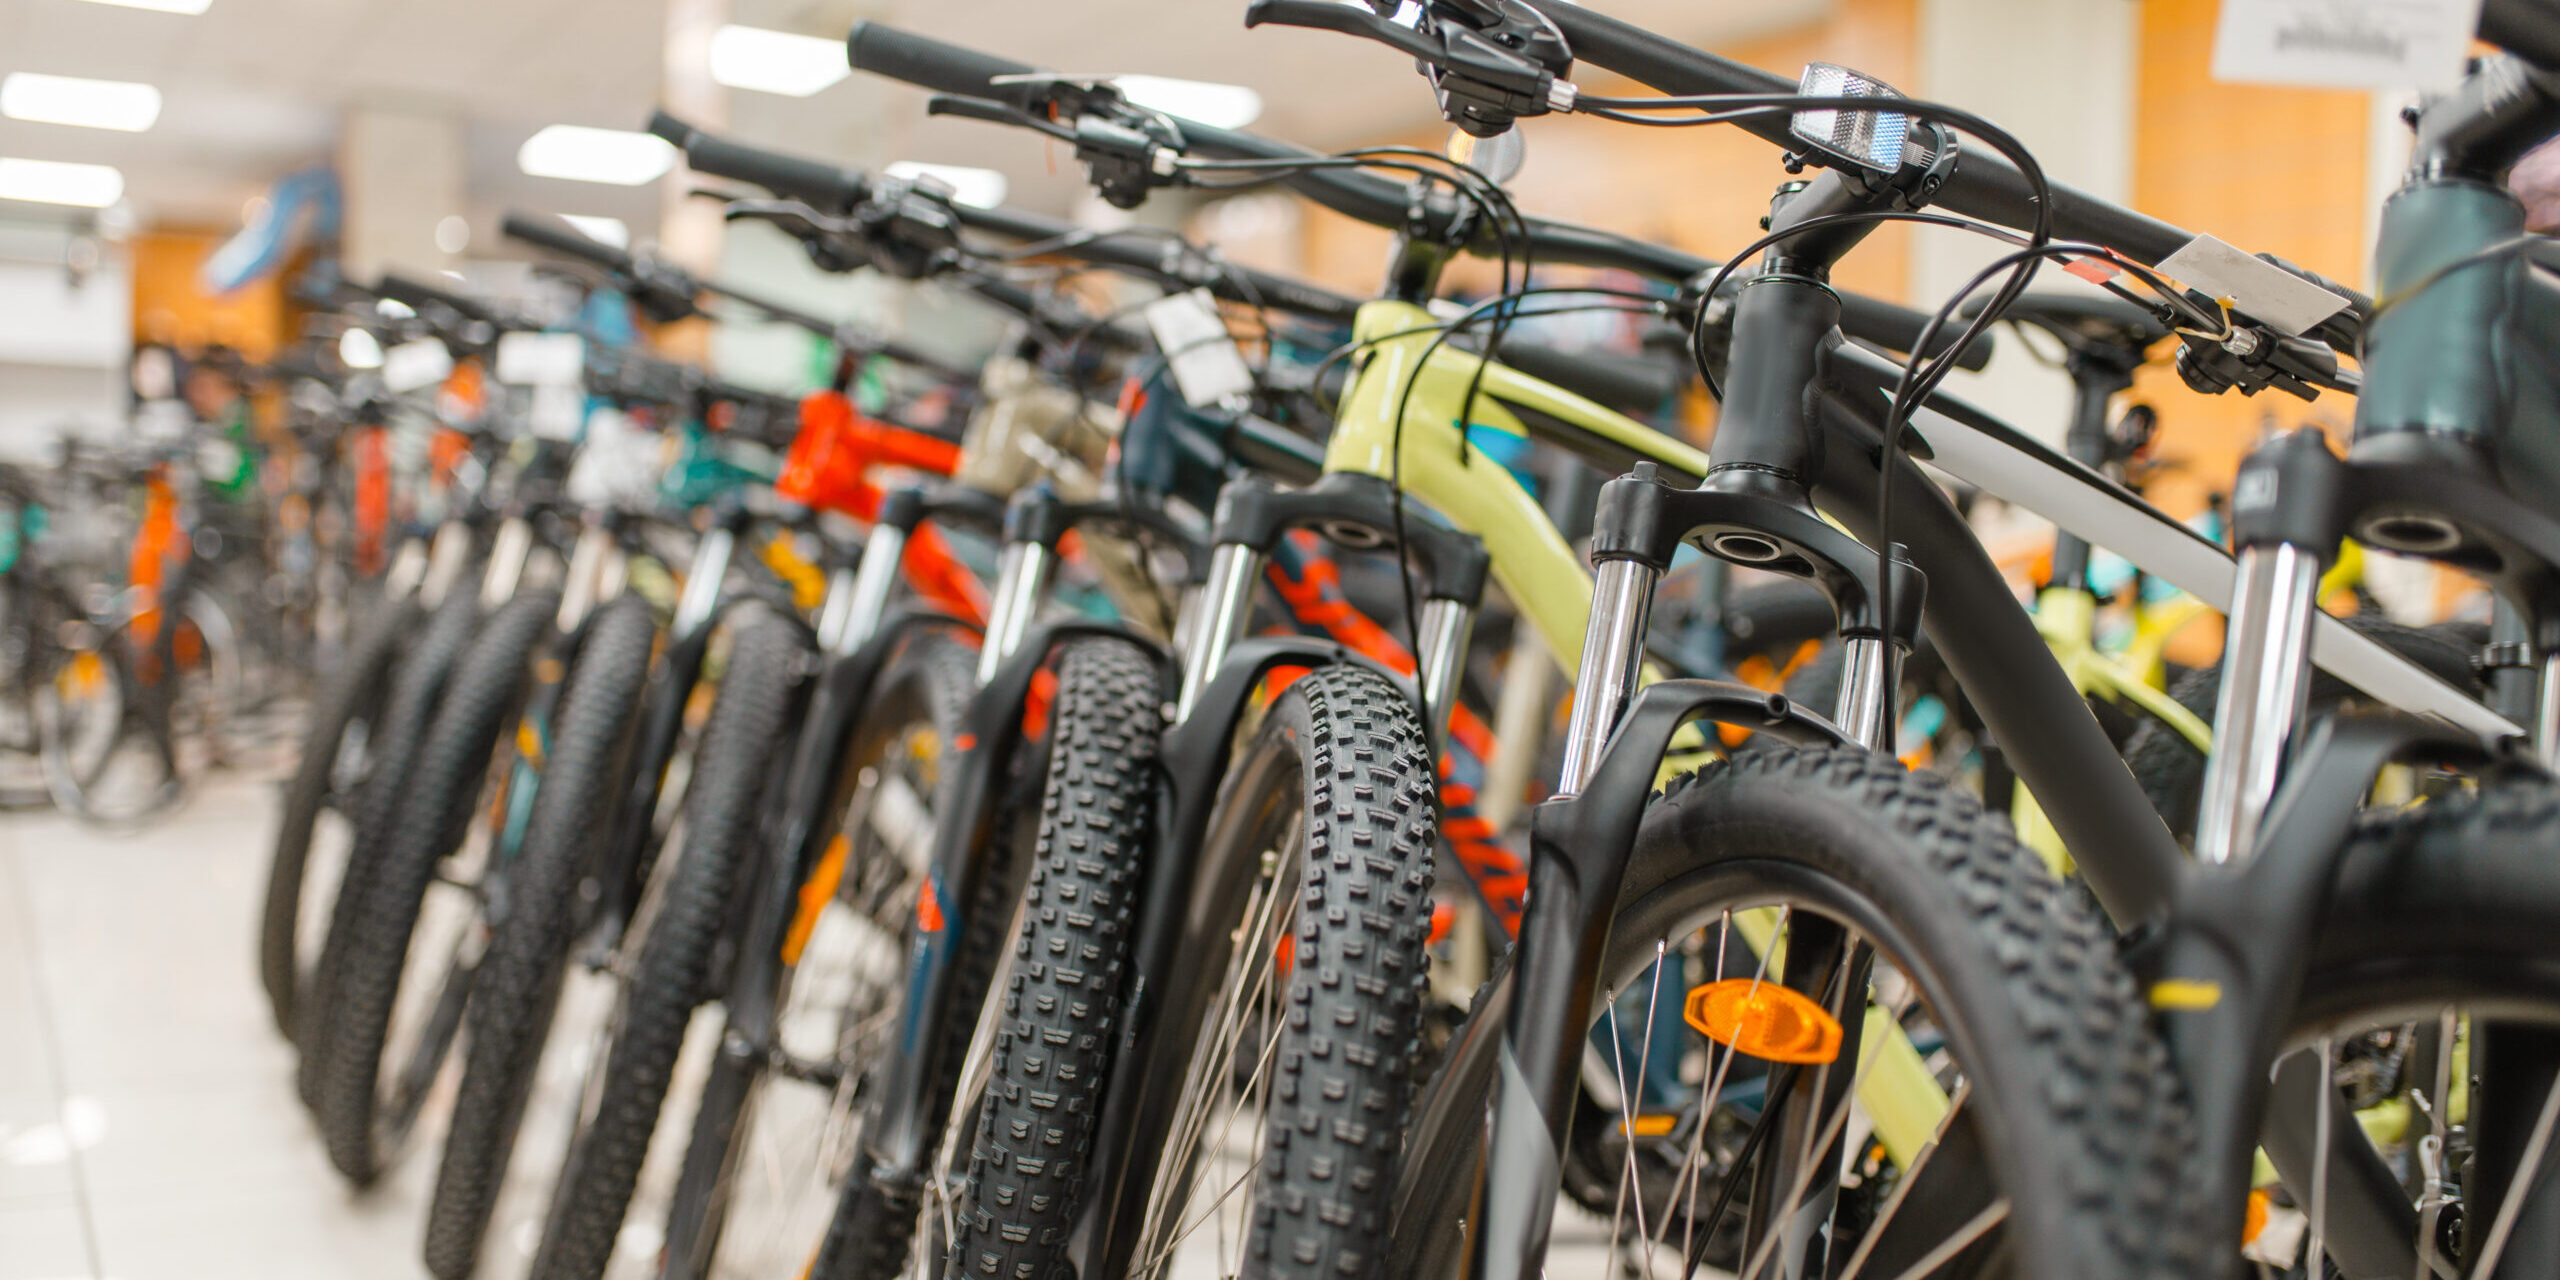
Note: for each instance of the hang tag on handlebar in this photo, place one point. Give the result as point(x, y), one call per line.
point(1207, 366)
point(2259, 288)
point(2346, 44)
point(422, 362)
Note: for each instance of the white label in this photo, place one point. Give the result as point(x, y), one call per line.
point(411, 365)
point(1207, 367)
point(530, 359)
point(557, 411)
point(2267, 292)
point(2348, 44)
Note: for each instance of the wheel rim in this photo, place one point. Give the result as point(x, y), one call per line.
point(1204, 1226)
point(839, 1005)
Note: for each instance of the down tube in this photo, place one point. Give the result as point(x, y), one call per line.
point(1534, 564)
point(2042, 725)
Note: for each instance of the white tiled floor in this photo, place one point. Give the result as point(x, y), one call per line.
point(148, 1128)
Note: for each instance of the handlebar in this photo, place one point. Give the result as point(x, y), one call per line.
point(948, 68)
point(1984, 185)
point(418, 295)
point(932, 64)
point(1163, 256)
point(559, 237)
point(825, 187)
point(2529, 29)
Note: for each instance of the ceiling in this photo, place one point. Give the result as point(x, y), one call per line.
point(254, 89)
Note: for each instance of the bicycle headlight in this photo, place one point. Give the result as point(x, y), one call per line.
point(1873, 140)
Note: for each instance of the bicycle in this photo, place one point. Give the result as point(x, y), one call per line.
point(1993, 189)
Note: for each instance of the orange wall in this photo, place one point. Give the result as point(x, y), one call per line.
point(169, 306)
point(2274, 170)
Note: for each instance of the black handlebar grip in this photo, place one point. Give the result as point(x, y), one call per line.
point(561, 238)
point(827, 187)
point(669, 128)
point(1897, 328)
point(414, 293)
point(943, 68)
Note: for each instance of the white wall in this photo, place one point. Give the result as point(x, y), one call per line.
point(2059, 75)
point(62, 350)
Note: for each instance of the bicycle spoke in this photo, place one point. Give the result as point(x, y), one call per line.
point(2528, 1167)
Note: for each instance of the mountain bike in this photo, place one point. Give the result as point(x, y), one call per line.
point(1827, 215)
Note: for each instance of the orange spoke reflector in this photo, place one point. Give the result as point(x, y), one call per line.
point(1653, 1126)
point(1765, 1020)
point(2256, 1219)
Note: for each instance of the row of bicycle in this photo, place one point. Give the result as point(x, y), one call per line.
point(1071, 813)
point(228, 515)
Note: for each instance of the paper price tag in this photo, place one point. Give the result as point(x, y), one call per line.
point(422, 362)
point(2265, 291)
point(1207, 367)
point(530, 359)
point(2348, 44)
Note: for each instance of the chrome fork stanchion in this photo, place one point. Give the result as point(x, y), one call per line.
point(1871, 669)
point(1022, 576)
point(2265, 678)
point(1225, 608)
point(2546, 710)
point(873, 577)
point(413, 566)
point(1612, 656)
point(1446, 627)
point(508, 553)
point(835, 611)
point(702, 586)
point(585, 582)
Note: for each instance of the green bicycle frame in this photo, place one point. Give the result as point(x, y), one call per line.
point(1535, 565)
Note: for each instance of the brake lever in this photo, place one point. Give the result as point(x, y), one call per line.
point(967, 108)
point(821, 236)
point(1490, 62)
point(1327, 15)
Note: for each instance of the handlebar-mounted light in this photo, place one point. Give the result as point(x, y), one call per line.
point(1873, 141)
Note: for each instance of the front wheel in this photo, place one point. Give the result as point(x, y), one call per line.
point(2016, 1113)
point(671, 974)
point(1306, 1027)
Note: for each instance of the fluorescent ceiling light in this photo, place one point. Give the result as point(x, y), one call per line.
point(91, 104)
point(776, 61)
point(977, 188)
point(581, 154)
point(162, 6)
point(90, 186)
point(1219, 106)
point(612, 231)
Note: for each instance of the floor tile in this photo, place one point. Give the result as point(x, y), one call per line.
point(42, 1239)
point(40, 1142)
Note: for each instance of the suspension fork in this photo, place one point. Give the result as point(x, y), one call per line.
point(2286, 520)
point(1752, 509)
point(629, 848)
point(1582, 840)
